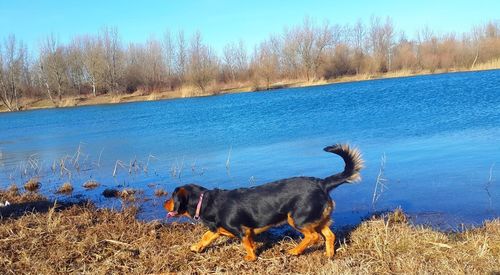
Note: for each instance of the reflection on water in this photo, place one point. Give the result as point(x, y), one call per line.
point(440, 135)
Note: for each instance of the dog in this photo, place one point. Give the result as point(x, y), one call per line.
point(303, 202)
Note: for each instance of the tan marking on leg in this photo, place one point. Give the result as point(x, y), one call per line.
point(329, 240)
point(312, 230)
point(249, 245)
point(310, 237)
point(205, 241)
point(290, 221)
point(259, 230)
point(324, 229)
point(224, 232)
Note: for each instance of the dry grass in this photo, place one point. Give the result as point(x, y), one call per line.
point(66, 188)
point(13, 189)
point(160, 192)
point(490, 65)
point(13, 196)
point(32, 185)
point(128, 194)
point(91, 184)
point(83, 239)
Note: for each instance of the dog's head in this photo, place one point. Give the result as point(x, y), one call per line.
point(183, 201)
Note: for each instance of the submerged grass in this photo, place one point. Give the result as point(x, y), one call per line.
point(32, 185)
point(84, 239)
point(66, 189)
point(91, 184)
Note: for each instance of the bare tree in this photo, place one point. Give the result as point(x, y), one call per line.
point(381, 41)
point(93, 62)
point(266, 62)
point(358, 38)
point(113, 57)
point(169, 60)
point(235, 61)
point(404, 55)
point(155, 68)
point(12, 59)
point(135, 68)
point(202, 63)
point(181, 57)
point(53, 68)
point(75, 70)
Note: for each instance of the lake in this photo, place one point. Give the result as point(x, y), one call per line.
point(439, 136)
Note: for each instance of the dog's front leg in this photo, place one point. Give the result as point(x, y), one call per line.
point(205, 241)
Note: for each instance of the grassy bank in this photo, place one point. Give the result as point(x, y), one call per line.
point(190, 91)
point(83, 239)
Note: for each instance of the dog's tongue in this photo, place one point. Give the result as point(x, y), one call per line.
point(171, 214)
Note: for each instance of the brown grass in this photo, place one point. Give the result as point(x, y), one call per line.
point(128, 194)
point(32, 185)
point(13, 189)
point(83, 239)
point(160, 192)
point(66, 188)
point(91, 184)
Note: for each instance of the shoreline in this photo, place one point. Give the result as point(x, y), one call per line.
point(190, 92)
point(81, 238)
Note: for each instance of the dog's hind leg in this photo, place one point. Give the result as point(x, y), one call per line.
point(205, 241)
point(326, 232)
point(249, 245)
point(310, 237)
point(329, 239)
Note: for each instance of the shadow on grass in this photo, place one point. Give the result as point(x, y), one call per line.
point(16, 210)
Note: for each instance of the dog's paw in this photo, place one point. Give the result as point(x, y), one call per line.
point(329, 254)
point(250, 258)
point(294, 252)
point(196, 248)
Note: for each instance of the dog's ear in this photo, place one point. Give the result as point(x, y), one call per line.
point(181, 200)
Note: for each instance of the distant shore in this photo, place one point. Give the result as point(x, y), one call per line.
point(189, 91)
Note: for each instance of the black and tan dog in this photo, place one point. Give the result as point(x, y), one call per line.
point(303, 202)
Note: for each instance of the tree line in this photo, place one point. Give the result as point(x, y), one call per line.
point(91, 65)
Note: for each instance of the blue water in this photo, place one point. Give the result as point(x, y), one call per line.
point(440, 135)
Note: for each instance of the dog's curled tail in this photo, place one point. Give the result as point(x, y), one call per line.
point(353, 164)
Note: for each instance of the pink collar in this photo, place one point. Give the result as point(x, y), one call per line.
point(198, 208)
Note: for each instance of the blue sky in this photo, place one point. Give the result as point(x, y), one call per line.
point(222, 21)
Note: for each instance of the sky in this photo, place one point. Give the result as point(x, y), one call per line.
point(223, 21)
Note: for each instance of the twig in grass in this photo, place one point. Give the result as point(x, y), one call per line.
point(132, 165)
point(145, 168)
point(380, 183)
point(63, 169)
point(76, 156)
point(99, 159)
point(176, 169)
point(488, 184)
point(120, 163)
point(228, 161)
